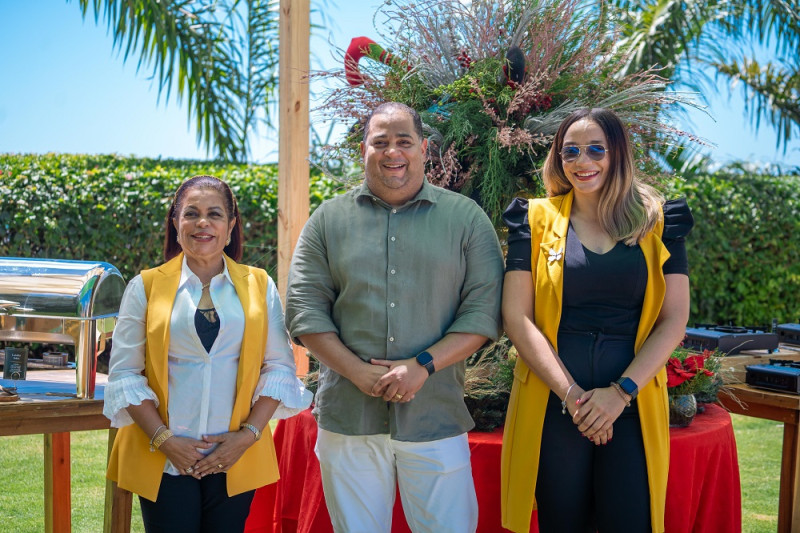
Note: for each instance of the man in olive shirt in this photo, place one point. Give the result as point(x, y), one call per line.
point(392, 286)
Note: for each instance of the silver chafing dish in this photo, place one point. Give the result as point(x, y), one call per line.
point(61, 302)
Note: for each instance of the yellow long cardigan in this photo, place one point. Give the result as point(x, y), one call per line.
point(132, 465)
point(526, 410)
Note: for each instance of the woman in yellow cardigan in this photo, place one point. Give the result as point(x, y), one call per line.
point(200, 362)
point(596, 297)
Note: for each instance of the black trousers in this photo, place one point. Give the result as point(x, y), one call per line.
point(189, 505)
point(583, 487)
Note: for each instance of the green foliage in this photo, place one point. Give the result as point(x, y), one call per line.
point(744, 257)
point(112, 208)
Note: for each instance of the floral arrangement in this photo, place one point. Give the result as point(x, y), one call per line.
point(492, 81)
point(695, 373)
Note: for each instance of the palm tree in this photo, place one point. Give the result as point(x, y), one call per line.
point(686, 38)
point(221, 55)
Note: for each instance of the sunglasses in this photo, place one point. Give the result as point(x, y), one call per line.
point(571, 153)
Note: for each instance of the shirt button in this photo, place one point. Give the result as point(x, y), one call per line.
point(394, 210)
point(391, 339)
point(394, 271)
point(391, 304)
point(392, 239)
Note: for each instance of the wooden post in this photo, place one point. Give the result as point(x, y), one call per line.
point(293, 145)
point(117, 512)
point(57, 497)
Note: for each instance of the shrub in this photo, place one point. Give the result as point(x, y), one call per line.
point(744, 251)
point(112, 208)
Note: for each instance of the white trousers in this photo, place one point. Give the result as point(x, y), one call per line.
point(359, 474)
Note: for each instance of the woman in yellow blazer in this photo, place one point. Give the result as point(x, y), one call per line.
point(596, 297)
point(200, 362)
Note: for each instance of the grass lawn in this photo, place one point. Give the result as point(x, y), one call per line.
point(22, 478)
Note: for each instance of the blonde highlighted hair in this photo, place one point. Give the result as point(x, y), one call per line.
point(628, 209)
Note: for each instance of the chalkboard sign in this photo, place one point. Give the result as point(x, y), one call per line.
point(15, 363)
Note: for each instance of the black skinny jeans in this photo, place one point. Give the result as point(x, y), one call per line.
point(583, 487)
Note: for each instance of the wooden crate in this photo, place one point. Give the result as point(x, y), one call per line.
point(733, 366)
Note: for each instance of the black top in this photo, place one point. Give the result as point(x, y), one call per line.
point(206, 322)
point(602, 292)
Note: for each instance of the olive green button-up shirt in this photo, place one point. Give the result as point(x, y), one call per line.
point(391, 282)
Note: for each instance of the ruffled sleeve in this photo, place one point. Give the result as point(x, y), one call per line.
point(123, 392)
point(126, 384)
point(519, 235)
point(278, 378)
point(678, 222)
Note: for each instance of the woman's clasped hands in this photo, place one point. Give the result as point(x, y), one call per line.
point(595, 411)
point(185, 453)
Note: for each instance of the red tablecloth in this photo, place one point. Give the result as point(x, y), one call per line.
point(703, 490)
point(703, 493)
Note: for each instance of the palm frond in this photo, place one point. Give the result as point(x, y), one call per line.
point(775, 92)
point(220, 56)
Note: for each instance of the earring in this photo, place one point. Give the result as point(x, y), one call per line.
point(228, 241)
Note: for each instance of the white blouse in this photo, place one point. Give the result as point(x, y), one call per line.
point(202, 385)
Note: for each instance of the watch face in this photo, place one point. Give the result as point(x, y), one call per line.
point(628, 385)
point(424, 358)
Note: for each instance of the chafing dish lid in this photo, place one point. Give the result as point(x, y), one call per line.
point(59, 288)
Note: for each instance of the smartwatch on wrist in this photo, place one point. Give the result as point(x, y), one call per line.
point(425, 359)
point(629, 386)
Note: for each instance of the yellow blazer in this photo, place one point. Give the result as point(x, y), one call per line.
point(131, 464)
point(549, 221)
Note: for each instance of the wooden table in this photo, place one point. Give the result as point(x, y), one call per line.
point(51, 409)
point(781, 408)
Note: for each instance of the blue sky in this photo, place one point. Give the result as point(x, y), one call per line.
point(65, 89)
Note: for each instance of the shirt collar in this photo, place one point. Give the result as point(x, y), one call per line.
point(426, 194)
point(187, 274)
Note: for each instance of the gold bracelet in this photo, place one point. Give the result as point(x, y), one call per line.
point(621, 393)
point(252, 428)
point(161, 439)
point(155, 434)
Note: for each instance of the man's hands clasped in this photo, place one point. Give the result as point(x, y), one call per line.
point(401, 382)
point(394, 381)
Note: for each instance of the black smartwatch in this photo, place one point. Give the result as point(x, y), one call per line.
point(629, 386)
point(425, 359)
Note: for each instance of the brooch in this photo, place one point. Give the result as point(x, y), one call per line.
point(553, 255)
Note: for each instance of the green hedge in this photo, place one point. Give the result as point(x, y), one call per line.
point(112, 208)
point(744, 251)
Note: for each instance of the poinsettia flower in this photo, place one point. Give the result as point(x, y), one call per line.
point(676, 374)
point(696, 364)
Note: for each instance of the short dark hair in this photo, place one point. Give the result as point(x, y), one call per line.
point(234, 248)
point(389, 107)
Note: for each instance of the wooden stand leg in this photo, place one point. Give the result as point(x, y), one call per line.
point(57, 486)
point(789, 493)
point(791, 447)
point(117, 512)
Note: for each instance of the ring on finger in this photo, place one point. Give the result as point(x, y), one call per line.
point(398, 396)
point(220, 466)
point(189, 470)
